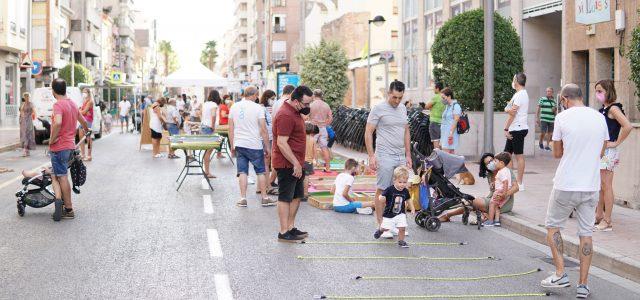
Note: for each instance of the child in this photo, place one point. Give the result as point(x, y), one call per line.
point(309, 156)
point(502, 185)
point(396, 198)
point(343, 202)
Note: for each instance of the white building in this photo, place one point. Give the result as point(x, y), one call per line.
point(14, 21)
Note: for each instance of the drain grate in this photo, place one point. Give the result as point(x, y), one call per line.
point(567, 263)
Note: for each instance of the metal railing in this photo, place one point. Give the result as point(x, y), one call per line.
point(279, 29)
point(11, 110)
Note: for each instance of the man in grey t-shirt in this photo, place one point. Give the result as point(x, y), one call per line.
point(389, 120)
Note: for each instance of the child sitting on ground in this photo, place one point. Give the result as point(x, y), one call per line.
point(502, 185)
point(343, 201)
point(396, 198)
point(309, 156)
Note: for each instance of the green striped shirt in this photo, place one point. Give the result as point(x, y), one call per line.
point(546, 109)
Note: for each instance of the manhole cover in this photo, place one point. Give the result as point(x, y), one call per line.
point(567, 263)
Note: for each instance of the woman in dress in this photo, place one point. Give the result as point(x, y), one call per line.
point(27, 133)
point(155, 123)
point(86, 110)
point(450, 116)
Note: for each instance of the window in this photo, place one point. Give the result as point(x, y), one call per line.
point(279, 50)
point(279, 24)
point(279, 2)
point(503, 7)
point(414, 35)
point(432, 4)
point(409, 9)
point(459, 7)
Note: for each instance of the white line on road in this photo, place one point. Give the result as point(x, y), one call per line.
point(19, 177)
point(208, 206)
point(214, 243)
point(223, 288)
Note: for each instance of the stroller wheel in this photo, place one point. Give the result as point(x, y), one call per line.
point(432, 224)
point(20, 209)
point(421, 217)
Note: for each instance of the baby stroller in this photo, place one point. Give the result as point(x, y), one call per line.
point(37, 191)
point(437, 168)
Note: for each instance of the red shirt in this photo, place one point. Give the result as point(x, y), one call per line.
point(224, 108)
point(289, 123)
point(67, 133)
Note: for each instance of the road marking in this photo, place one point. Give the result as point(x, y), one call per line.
point(204, 185)
point(208, 207)
point(223, 288)
point(19, 177)
point(214, 243)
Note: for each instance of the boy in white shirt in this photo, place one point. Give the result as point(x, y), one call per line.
point(343, 201)
point(501, 185)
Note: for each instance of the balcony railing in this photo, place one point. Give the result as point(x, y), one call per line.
point(278, 56)
point(279, 29)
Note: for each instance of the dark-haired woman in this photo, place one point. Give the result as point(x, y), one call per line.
point(207, 126)
point(448, 129)
point(487, 170)
point(619, 128)
point(266, 100)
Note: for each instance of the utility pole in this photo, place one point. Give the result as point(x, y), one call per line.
point(29, 84)
point(488, 75)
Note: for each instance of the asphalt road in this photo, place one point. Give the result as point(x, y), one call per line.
point(135, 237)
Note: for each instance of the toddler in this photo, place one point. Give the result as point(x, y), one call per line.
point(396, 198)
point(501, 186)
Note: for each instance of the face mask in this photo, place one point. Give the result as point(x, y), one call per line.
point(354, 173)
point(305, 111)
point(513, 85)
point(491, 166)
point(600, 97)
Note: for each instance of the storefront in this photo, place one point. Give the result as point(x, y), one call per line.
point(9, 86)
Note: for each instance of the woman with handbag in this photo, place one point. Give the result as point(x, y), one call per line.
point(27, 133)
point(449, 126)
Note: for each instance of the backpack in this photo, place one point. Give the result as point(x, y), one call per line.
point(463, 122)
point(78, 174)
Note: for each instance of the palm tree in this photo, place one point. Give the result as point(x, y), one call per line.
point(167, 51)
point(209, 54)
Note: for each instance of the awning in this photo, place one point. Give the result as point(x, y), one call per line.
point(195, 75)
point(375, 59)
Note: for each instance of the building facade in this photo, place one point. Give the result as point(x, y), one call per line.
point(14, 21)
point(86, 36)
point(123, 14)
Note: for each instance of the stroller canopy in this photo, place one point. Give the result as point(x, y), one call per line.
point(449, 164)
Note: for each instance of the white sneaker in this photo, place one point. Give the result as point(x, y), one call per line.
point(364, 211)
point(250, 180)
point(521, 187)
point(555, 281)
point(387, 235)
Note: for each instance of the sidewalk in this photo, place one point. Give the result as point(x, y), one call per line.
point(9, 137)
point(617, 251)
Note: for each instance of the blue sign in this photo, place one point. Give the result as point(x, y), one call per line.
point(593, 11)
point(287, 78)
point(36, 68)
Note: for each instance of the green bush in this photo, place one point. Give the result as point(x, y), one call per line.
point(324, 67)
point(81, 75)
point(458, 57)
point(634, 60)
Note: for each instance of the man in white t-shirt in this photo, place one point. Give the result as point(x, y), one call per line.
point(579, 138)
point(343, 201)
point(286, 94)
point(124, 107)
point(516, 128)
point(247, 130)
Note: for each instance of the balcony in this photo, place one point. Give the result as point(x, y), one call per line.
point(92, 48)
point(278, 56)
point(279, 28)
point(240, 62)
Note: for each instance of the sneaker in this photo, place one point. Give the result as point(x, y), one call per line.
point(387, 235)
point(582, 291)
point(488, 224)
point(57, 213)
point(274, 185)
point(541, 146)
point(547, 148)
point(521, 187)
point(68, 214)
point(287, 237)
point(267, 202)
point(242, 203)
point(554, 281)
point(497, 224)
point(299, 233)
point(364, 211)
point(304, 199)
point(377, 234)
point(403, 244)
point(604, 226)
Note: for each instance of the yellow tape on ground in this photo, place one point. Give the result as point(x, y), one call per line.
point(511, 295)
point(386, 243)
point(396, 257)
point(447, 278)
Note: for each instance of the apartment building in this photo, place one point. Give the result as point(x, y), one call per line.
point(239, 50)
point(283, 35)
point(86, 36)
point(122, 12)
point(14, 20)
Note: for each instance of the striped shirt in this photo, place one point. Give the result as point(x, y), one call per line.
point(546, 109)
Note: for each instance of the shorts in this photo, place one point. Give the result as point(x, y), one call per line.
point(124, 118)
point(506, 207)
point(246, 155)
point(562, 203)
point(386, 164)
point(307, 168)
point(516, 144)
point(434, 131)
point(173, 129)
point(350, 208)
point(60, 161)
point(546, 126)
point(206, 130)
point(89, 125)
point(610, 160)
point(322, 138)
point(289, 187)
point(156, 135)
point(399, 221)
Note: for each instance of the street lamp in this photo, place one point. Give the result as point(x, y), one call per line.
point(378, 21)
point(68, 44)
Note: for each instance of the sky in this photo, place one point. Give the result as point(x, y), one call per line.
point(189, 24)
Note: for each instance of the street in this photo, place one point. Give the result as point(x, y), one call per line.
point(135, 237)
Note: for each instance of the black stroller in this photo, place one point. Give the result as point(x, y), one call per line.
point(37, 191)
point(438, 167)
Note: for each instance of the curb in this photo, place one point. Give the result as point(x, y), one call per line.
point(9, 147)
point(605, 259)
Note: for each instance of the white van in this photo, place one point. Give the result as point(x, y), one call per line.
point(43, 100)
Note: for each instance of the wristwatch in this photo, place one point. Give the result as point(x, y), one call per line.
point(506, 129)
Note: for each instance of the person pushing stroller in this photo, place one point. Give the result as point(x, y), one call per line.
point(395, 198)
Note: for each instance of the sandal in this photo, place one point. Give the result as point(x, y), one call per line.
point(604, 226)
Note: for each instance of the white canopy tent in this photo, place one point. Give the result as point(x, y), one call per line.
point(195, 75)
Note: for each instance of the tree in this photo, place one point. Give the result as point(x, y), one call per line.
point(634, 61)
point(324, 67)
point(170, 58)
point(81, 75)
point(458, 56)
point(209, 55)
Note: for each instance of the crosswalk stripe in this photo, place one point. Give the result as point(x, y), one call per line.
point(223, 288)
point(214, 243)
point(208, 207)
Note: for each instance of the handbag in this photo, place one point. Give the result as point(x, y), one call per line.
point(463, 125)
